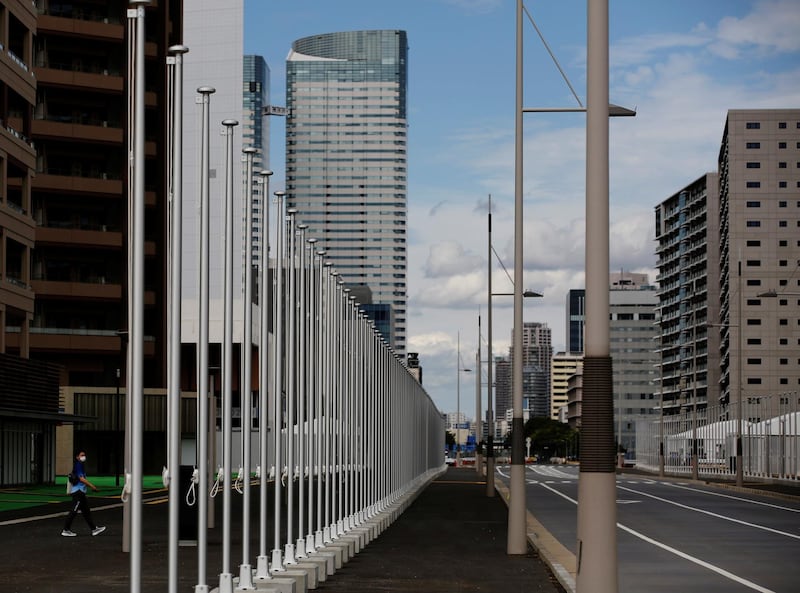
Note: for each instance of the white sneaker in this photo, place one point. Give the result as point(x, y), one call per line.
point(98, 530)
point(68, 533)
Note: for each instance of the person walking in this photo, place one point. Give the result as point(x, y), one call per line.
point(79, 500)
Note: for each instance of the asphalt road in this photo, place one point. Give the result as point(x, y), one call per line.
point(679, 535)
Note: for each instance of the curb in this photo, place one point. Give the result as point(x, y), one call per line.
point(559, 560)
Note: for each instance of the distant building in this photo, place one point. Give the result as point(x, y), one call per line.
point(565, 364)
point(687, 231)
point(537, 352)
point(632, 337)
point(759, 251)
point(255, 133)
point(413, 366)
point(502, 386)
point(576, 319)
point(346, 157)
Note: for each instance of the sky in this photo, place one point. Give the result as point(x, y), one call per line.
point(681, 64)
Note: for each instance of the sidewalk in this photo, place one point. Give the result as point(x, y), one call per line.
point(451, 539)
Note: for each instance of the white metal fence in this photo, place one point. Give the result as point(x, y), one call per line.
point(770, 433)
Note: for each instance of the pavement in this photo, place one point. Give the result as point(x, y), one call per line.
point(451, 538)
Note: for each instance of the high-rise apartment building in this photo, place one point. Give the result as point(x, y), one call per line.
point(503, 396)
point(759, 275)
point(346, 156)
point(537, 353)
point(79, 193)
point(632, 340)
point(565, 365)
point(17, 165)
point(687, 231)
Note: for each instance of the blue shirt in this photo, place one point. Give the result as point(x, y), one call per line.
point(80, 471)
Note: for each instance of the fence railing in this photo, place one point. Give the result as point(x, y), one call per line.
point(770, 434)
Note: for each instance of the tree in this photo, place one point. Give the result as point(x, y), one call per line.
point(550, 436)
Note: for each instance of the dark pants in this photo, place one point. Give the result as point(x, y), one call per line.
point(79, 503)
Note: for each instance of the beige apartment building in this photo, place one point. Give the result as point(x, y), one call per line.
point(729, 271)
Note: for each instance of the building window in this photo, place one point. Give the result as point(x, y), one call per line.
point(752, 184)
point(753, 204)
point(753, 165)
point(754, 381)
point(753, 361)
point(783, 322)
point(753, 341)
point(784, 361)
point(784, 381)
point(753, 322)
point(753, 125)
point(782, 204)
point(754, 145)
point(782, 223)
point(783, 263)
point(781, 165)
point(781, 125)
point(781, 144)
point(753, 223)
point(783, 243)
point(753, 263)
point(752, 282)
point(781, 184)
point(754, 243)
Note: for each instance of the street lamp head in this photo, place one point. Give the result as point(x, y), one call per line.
point(771, 293)
point(531, 294)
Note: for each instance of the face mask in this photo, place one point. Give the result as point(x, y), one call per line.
point(82, 458)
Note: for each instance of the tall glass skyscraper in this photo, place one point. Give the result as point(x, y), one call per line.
point(346, 156)
point(255, 133)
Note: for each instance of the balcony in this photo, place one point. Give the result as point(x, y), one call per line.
point(84, 25)
point(51, 235)
point(96, 132)
point(69, 77)
point(60, 181)
point(96, 290)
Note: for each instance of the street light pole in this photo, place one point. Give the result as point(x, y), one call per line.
point(458, 400)
point(517, 542)
point(597, 509)
point(489, 372)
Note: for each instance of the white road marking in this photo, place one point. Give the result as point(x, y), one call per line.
point(747, 500)
point(684, 555)
point(711, 514)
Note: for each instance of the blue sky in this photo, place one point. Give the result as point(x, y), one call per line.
point(681, 64)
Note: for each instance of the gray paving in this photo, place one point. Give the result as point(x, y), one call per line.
point(452, 538)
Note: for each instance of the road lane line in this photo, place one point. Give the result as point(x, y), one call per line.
point(671, 550)
point(703, 563)
point(711, 514)
point(758, 502)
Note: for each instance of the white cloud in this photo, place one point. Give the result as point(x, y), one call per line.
point(773, 27)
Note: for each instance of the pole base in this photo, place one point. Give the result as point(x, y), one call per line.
point(310, 544)
point(277, 562)
point(225, 582)
point(288, 554)
point(245, 577)
point(318, 540)
point(262, 568)
point(300, 548)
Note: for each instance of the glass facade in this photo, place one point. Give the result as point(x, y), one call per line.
point(346, 156)
point(255, 133)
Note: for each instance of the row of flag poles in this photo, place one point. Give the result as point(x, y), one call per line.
point(344, 430)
